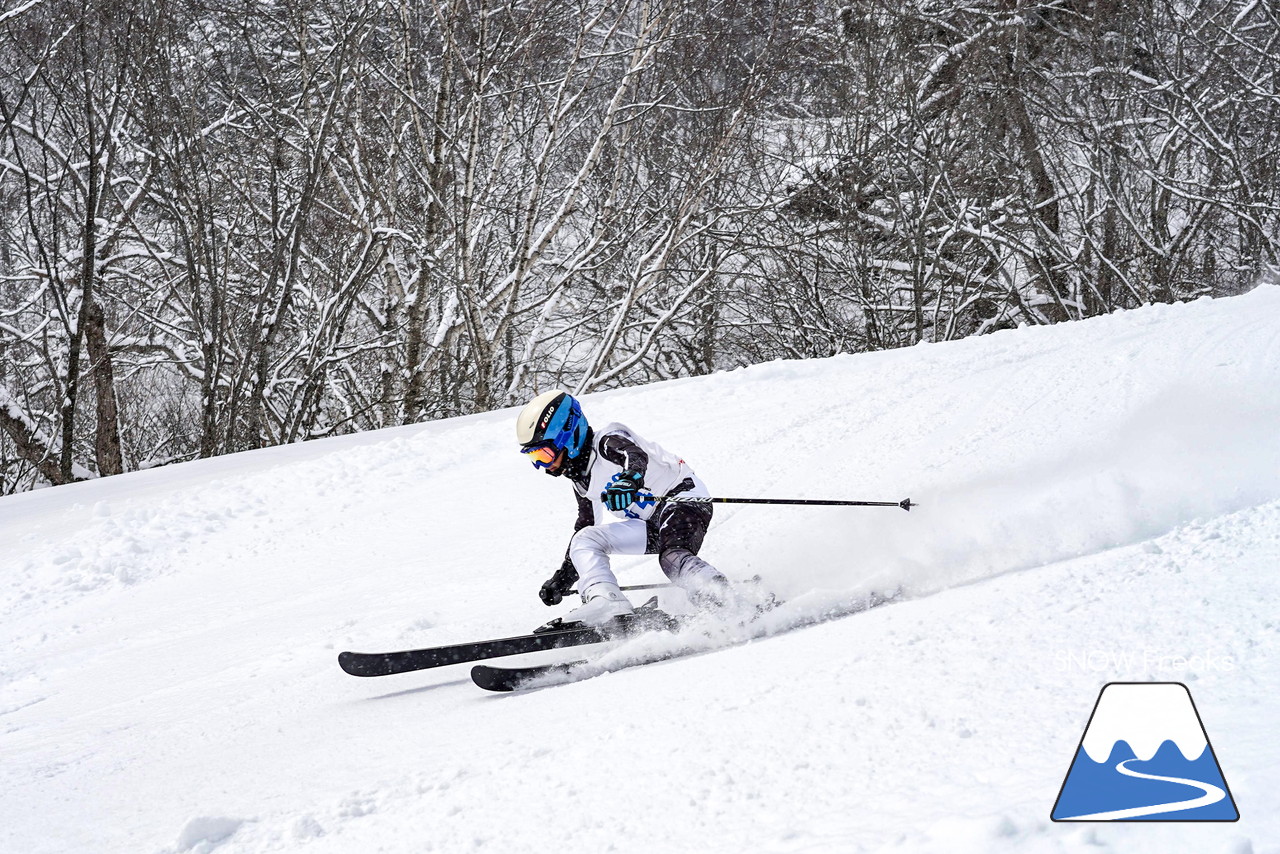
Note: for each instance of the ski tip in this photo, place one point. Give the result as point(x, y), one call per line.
point(362, 664)
point(347, 661)
point(495, 678)
point(492, 678)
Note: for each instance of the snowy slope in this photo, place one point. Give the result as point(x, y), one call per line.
point(1100, 501)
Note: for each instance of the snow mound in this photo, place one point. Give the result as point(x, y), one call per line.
point(204, 833)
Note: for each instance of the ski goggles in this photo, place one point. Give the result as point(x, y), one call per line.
point(542, 455)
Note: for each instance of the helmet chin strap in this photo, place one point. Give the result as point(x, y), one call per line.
point(577, 467)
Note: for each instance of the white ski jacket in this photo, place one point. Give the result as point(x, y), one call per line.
point(615, 449)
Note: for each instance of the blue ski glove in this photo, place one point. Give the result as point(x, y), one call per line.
point(623, 490)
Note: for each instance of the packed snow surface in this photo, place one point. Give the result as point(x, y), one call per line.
point(1099, 501)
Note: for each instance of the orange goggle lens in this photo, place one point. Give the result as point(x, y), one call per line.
point(541, 455)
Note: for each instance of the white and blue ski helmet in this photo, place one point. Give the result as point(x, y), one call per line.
point(553, 419)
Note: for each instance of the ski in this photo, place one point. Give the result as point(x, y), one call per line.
point(495, 678)
point(554, 635)
point(405, 661)
point(501, 678)
point(504, 679)
point(512, 678)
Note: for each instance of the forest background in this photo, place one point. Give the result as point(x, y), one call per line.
point(228, 225)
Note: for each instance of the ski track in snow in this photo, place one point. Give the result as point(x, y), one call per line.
point(1099, 501)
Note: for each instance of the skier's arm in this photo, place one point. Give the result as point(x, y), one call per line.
point(625, 487)
point(585, 517)
point(624, 453)
point(561, 582)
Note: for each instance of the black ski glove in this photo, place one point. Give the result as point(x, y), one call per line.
point(554, 588)
point(622, 490)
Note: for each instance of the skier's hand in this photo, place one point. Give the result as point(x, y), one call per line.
point(554, 588)
point(622, 490)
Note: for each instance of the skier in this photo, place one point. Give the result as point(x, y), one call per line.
point(618, 471)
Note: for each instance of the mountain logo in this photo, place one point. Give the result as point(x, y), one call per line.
point(1145, 756)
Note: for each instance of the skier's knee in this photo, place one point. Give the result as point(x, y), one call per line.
point(683, 566)
point(672, 562)
point(705, 585)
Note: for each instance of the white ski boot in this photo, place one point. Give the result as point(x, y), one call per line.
point(602, 602)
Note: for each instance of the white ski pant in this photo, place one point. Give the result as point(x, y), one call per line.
point(591, 547)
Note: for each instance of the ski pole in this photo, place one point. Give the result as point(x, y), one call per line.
point(905, 504)
point(625, 587)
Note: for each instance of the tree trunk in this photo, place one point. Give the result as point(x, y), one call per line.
point(31, 446)
point(107, 436)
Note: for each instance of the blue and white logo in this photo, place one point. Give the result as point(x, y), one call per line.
point(1145, 756)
